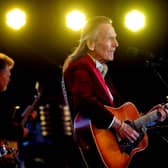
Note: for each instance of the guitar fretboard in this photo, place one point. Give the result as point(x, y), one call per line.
point(146, 119)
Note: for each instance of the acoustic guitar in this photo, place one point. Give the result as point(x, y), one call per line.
point(103, 148)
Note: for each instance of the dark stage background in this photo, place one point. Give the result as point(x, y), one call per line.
point(139, 70)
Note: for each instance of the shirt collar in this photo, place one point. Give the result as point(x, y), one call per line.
point(101, 67)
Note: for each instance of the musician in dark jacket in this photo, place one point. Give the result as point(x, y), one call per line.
point(11, 132)
point(90, 89)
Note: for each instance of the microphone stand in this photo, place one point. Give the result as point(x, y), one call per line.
point(153, 66)
point(160, 77)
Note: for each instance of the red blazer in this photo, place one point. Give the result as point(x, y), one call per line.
point(87, 91)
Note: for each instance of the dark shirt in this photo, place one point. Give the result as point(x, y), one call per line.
point(9, 127)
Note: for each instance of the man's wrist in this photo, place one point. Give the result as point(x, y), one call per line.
point(116, 124)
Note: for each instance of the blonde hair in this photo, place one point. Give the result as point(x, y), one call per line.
point(90, 31)
point(5, 60)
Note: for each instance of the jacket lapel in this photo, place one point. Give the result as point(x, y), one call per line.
point(99, 77)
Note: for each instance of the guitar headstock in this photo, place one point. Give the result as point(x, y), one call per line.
point(38, 92)
point(37, 88)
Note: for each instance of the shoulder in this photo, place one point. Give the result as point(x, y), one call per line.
point(82, 63)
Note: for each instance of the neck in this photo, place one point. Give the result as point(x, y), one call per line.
point(95, 57)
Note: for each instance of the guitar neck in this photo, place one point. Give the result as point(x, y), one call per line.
point(29, 109)
point(146, 119)
point(27, 112)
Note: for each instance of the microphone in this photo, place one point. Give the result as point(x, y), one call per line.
point(135, 52)
point(150, 59)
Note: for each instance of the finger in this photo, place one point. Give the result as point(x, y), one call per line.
point(131, 139)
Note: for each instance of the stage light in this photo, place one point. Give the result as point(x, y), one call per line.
point(135, 20)
point(75, 20)
point(16, 18)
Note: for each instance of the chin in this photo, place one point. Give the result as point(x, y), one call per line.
point(111, 58)
point(4, 89)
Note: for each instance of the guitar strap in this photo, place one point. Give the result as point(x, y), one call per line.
point(64, 91)
point(68, 124)
point(66, 115)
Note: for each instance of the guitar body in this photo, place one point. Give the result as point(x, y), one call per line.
point(102, 146)
point(8, 149)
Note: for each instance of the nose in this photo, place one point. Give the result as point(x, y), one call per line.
point(116, 43)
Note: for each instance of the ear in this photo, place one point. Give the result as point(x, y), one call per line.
point(90, 44)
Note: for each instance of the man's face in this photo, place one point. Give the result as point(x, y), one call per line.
point(106, 43)
point(4, 78)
